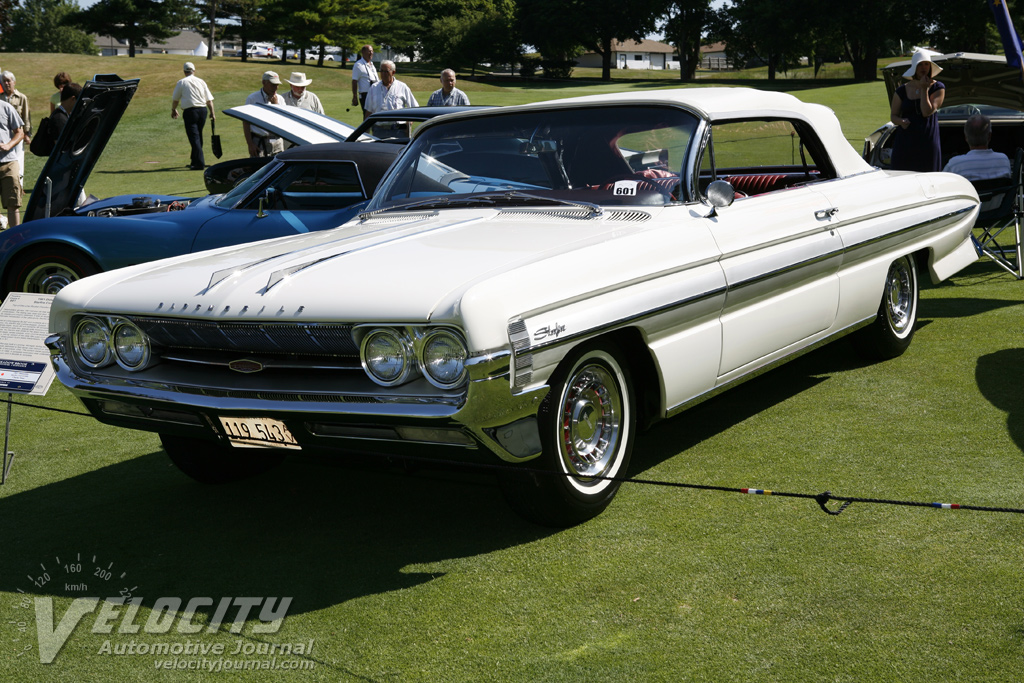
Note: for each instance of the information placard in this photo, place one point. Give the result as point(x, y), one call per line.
point(24, 360)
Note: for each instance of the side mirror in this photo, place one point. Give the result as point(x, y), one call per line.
point(266, 201)
point(720, 194)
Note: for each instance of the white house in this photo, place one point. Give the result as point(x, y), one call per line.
point(646, 54)
point(187, 42)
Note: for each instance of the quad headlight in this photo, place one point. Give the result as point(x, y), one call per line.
point(393, 356)
point(100, 341)
point(387, 357)
point(443, 358)
point(131, 347)
point(92, 342)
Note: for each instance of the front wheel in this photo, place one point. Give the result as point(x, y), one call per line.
point(210, 463)
point(893, 329)
point(587, 422)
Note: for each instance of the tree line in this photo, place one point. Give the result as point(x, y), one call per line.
point(549, 34)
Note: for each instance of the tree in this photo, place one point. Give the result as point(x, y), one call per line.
point(6, 19)
point(772, 31)
point(871, 27)
point(137, 21)
point(559, 27)
point(687, 22)
point(37, 26)
point(482, 32)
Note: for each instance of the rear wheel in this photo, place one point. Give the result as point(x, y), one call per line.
point(48, 269)
point(587, 423)
point(211, 463)
point(893, 329)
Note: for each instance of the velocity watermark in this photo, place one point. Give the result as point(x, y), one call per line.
point(122, 615)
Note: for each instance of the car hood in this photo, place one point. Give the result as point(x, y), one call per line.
point(297, 126)
point(92, 122)
point(970, 78)
point(412, 268)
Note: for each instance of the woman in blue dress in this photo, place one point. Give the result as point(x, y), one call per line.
point(915, 145)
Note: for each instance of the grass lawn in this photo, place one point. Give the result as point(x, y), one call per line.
point(428, 576)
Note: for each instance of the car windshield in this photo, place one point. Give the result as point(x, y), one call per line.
point(243, 188)
point(600, 156)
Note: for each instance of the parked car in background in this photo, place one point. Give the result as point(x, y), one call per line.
point(528, 287)
point(302, 127)
point(310, 188)
point(975, 83)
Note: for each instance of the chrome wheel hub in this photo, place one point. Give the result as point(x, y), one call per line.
point(591, 422)
point(899, 302)
point(49, 278)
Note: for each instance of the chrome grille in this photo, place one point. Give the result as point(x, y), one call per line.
point(290, 338)
point(573, 215)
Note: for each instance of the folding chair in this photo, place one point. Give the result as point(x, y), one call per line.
point(1002, 210)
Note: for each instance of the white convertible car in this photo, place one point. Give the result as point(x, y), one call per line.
point(528, 287)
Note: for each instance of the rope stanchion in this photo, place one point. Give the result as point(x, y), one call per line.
point(823, 499)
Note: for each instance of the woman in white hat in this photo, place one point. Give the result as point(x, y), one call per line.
point(915, 145)
point(298, 96)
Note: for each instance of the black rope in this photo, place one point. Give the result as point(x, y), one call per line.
point(822, 499)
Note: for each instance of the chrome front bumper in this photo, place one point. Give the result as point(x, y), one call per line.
point(483, 413)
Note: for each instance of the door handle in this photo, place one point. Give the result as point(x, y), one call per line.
point(826, 214)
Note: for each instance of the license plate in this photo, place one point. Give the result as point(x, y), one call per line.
point(258, 432)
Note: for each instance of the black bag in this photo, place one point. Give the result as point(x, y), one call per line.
point(45, 138)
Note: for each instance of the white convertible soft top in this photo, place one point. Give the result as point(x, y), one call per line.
point(719, 104)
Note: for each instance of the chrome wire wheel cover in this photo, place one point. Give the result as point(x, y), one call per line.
point(591, 425)
point(49, 278)
point(900, 301)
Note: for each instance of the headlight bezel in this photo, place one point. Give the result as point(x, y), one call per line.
point(119, 357)
point(404, 345)
point(113, 354)
point(76, 342)
point(416, 339)
point(426, 365)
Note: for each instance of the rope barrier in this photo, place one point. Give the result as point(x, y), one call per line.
point(823, 499)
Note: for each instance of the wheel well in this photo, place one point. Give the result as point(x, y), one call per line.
point(647, 385)
point(52, 247)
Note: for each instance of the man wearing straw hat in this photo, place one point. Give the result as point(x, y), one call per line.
point(195, 98)
point(299, 97)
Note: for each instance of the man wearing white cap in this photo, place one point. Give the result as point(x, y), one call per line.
point(263, 143)
point(299, 97)
point(196, 99)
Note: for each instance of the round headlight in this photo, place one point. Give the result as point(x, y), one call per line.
point(130, 346)
point(385, 357)
point(92, 342)
point(444, 359)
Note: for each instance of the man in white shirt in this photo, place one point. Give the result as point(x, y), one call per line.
point(980, 163)
point(196, 99)
point(263, 143)
point(389, 93)
point(298, 96)
point(448, 95)
point(364, 75)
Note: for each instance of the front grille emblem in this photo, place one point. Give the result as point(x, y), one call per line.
point(246, 365)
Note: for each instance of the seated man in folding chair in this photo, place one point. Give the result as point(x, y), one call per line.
point(980, 163)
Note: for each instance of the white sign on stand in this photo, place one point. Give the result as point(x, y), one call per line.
point(24, 360)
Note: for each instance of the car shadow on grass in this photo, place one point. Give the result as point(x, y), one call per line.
point(320, 534)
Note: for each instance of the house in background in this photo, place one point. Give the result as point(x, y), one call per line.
point(712, 56)
point(646, 54)
point(187, 42)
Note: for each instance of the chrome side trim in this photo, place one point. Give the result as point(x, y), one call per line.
point(621, 322)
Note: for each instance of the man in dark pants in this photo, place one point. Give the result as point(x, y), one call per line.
point(195, 98)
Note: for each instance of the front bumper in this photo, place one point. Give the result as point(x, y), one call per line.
point(484, 413)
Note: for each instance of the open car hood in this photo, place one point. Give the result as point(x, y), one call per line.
point(970, 78)
point(297, 126)
point(92, 121)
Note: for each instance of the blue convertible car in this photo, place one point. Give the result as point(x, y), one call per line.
point(314, 187)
